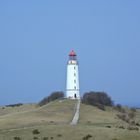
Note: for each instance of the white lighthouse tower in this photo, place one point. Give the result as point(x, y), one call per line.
point(72, 85)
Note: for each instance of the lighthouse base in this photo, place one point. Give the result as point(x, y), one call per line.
point(73, 95)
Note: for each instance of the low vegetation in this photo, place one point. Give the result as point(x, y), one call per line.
point(17, 138)
point(99, 99)
point(133, 128)
point(36, 132)
point(45, 138)
point(119, 108)
point(87, 137)
point(14, 105)
point(35, 138)
point(129, 116)
point(52, 97)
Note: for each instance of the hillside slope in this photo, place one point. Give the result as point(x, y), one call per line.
point(57, 112)
point(53, 122)
point(17, 109)
point(90, 115)
point(93, 116)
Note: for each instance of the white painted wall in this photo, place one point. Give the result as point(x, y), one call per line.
point(72, 86)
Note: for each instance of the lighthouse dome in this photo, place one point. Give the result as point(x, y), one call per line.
point(72, 53)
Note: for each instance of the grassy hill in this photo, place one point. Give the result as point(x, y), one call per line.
point(57, 112)
point(17, 109)
point(52, 123)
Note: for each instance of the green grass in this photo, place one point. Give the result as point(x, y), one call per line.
point(68, 132)
point(52, 121)
point(90, 115)
point(12, 110)
point(57, 112)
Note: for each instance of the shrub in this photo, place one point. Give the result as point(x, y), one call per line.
point(52, 97)
point(121, 127)
point(119, 108)
point(127, 116)
point(101, 107)
point(131, 115)
point(108, 126)
point(97, 98)
point(133, 128)
point(35, 138)
point(133, 110)
point(14, 105)
point(137, 124)
point(122, 117)
point(35, 132)
point(132, 122)
point(87, 137)
point(59, 135)
point(89, 122)
point(17, 138)
point(45, 138)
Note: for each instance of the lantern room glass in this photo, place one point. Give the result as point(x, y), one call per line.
point(72, 57)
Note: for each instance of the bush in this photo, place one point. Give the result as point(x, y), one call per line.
point(87, 137)
point(108, 126)
point(133, 110)
point(35, 132)
point(131, 115)
point(122, 116)
point(127, 116)
point(14, 105)
point(45, 138)
point(119, 108)
point(52, 97)
point(137, 124)
point(59, 135)
point(133, 128)
point(97, 98)
point(101, 107)
point(132, 122)
point(121, 127)
point(51, 121)
point(35, 138)
point(17, 138)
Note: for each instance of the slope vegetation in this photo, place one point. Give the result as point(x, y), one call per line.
point(57, 112)
point(52, 122)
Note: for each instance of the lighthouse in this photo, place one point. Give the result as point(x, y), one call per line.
point(72, 84)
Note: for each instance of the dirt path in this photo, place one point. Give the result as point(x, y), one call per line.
point(76, 115)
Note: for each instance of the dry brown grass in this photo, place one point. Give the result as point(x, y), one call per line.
point(57, 112)
point(11, 110)
point(53, 121)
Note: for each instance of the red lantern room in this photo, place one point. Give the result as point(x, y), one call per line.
point(72, 55)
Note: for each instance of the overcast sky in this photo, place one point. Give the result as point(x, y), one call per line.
point(36, 37)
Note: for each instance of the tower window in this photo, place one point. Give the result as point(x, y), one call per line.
point(74, 68)
point(74, 81)
point(74, 74)
point(74, 87)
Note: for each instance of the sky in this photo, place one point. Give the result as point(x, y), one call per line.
point(36, 37)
